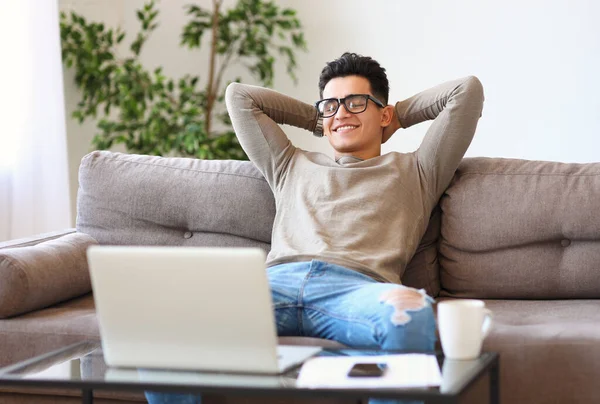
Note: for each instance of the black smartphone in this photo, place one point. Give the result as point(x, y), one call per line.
point(367, 370)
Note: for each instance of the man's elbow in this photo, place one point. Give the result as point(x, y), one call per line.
point(474, 89)
point(473, 86)
point(239, 96)
point(232, 90)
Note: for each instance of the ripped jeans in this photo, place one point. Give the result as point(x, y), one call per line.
point(322, 300)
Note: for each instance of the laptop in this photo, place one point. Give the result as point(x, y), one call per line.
point(188, 308)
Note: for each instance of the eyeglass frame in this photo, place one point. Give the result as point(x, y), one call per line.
point(342, 101)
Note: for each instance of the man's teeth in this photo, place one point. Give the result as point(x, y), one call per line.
point(345, 127)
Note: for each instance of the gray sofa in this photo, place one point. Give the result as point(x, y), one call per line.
point(523, 235)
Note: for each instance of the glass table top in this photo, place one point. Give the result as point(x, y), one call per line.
point(82, 366)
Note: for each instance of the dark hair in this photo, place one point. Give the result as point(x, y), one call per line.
point(352, 64)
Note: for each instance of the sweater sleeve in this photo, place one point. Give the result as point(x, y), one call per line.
point(255, 114)
point(455, 107)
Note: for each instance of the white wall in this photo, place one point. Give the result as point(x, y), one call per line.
point(538, 61)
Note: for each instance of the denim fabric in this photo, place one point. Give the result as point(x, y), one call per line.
point(322, 300)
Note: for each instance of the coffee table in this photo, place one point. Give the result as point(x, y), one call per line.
point(89, 373)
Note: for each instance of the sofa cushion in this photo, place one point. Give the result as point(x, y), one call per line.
point(42, 331)
point(521, 230)
point(148, 200)
point(554, 345)
point(40, 275)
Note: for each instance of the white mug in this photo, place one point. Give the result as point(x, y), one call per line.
point(463, 325)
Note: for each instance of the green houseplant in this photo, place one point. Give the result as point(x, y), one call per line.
point(150, 113)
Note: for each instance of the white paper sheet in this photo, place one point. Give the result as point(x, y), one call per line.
point(404, 371)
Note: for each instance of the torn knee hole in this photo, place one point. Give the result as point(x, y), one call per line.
point(403, 300)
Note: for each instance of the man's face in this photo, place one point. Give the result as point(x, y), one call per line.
point(358, 135)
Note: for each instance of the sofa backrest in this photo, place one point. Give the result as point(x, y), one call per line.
point(509, 228)
point(521, 229)
point(127, 199)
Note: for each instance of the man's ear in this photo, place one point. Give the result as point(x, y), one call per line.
point(387, 116)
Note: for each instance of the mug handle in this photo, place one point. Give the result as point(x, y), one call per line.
point(487, 323)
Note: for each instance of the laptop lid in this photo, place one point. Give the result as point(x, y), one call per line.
point(190, 308)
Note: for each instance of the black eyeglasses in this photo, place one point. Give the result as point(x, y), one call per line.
point(354, 103)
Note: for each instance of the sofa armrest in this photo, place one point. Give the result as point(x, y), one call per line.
point(36, 239)
point(41, 271)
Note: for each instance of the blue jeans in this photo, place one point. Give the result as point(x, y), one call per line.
point(322, 300)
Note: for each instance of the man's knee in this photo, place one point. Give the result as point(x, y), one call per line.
point(405, 301)
point(411, 323)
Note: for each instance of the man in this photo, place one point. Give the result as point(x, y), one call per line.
point(345, 228)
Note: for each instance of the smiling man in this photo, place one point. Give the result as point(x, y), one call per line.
point(345, 228)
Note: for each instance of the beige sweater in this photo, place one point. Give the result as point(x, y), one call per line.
point(366, 215)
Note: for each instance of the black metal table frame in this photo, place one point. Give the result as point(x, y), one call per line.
point(9, 376)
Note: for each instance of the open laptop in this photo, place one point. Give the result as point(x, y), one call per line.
point(188, 308)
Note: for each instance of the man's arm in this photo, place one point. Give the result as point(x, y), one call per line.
point(255, 114)
point(455, 107)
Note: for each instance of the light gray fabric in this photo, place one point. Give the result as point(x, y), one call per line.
point(521, 230)
point(40, 275)
point(147, 200)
